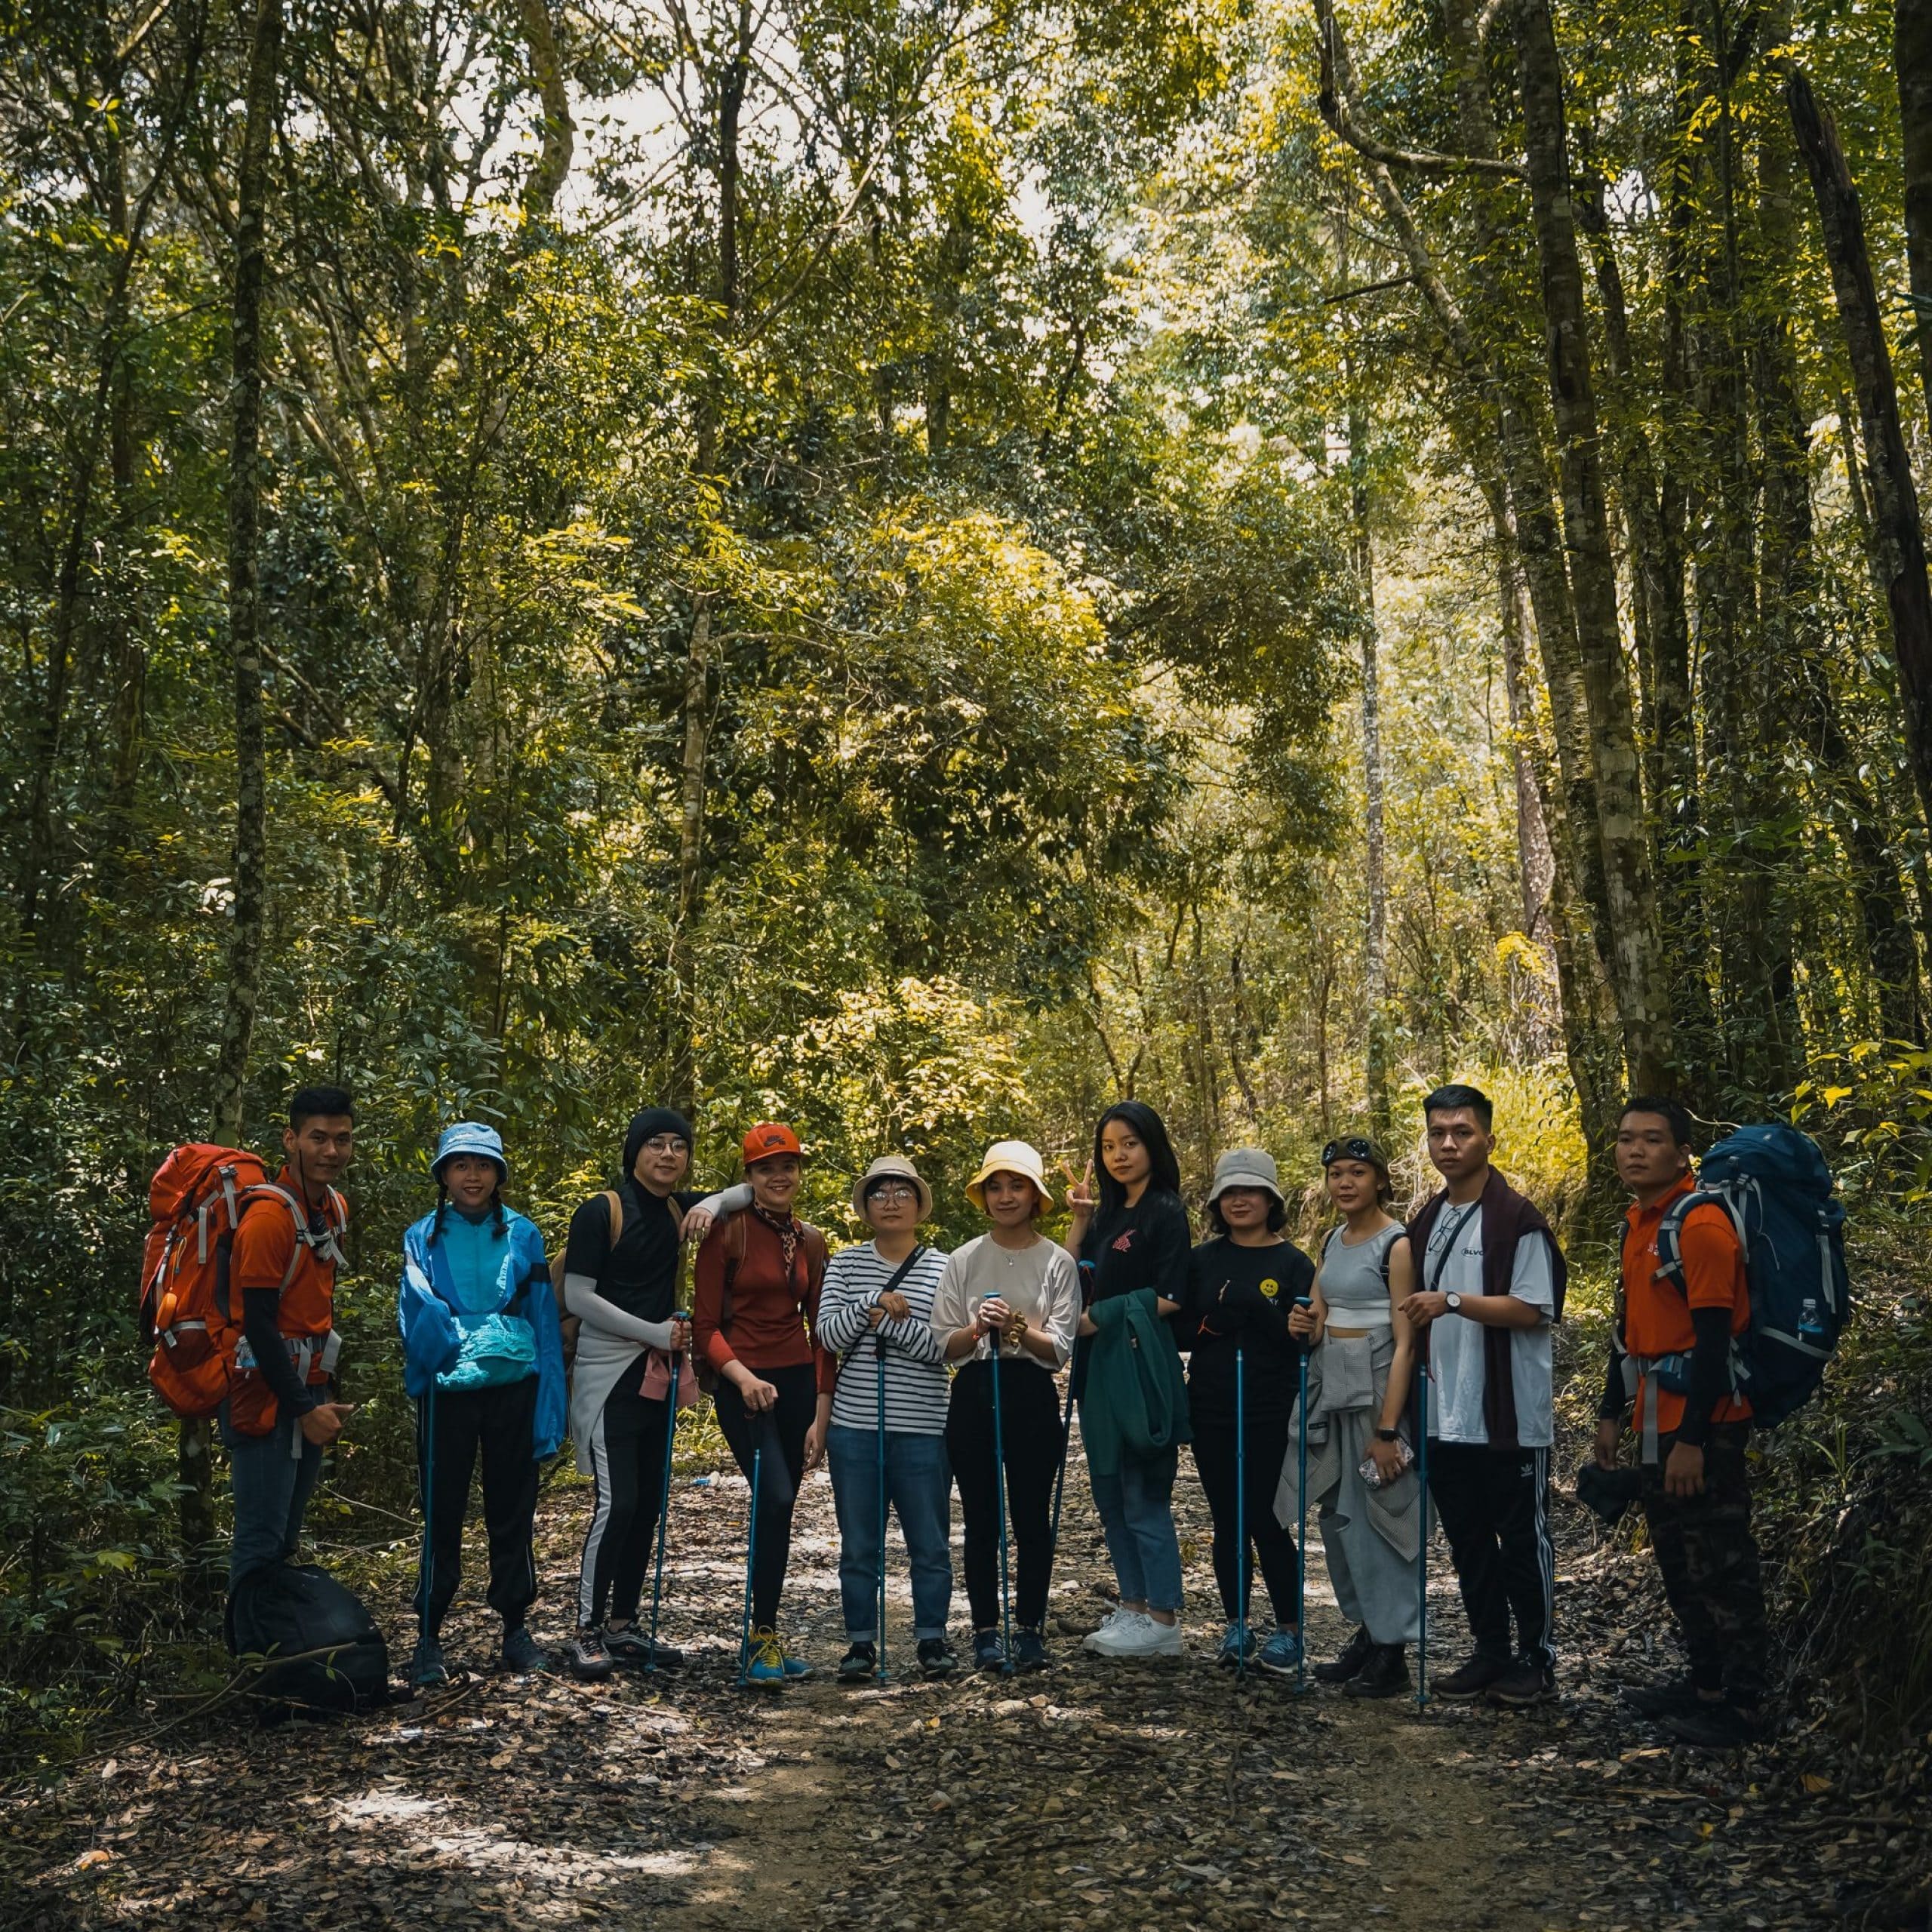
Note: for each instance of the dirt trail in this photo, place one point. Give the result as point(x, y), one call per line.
point(1095, 1796)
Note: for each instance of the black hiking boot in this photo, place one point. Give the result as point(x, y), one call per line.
point(1717, 1726)
point(1030, 1652)
point(1385, 1674)
point(937, 1658)
point(1669, 1699)
point(1355, 1654)
point(522, 1655)
point(1525, 1683)
point(1472, 1677)
point(988, 1653)
point(859, 1665)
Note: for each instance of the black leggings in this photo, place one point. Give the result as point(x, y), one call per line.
point(1030, 1436)
point(626, 1449)
point(782, 1430)
point(1214, 1458)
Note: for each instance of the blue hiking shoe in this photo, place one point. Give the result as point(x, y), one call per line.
point(766, 1664)
point(1230, 1653)
point(427, 1670)
point(1282, 1653)
point(796, 1669)
point(988, 1653)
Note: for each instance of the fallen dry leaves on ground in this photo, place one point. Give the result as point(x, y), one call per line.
point(1095, 1796)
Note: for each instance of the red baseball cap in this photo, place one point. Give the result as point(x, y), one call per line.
point(768, 1139)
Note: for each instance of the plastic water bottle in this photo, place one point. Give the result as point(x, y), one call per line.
point(1810, 1329)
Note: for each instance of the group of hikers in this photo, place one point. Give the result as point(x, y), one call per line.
point(1409, 1367)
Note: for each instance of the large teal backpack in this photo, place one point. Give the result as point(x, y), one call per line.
point(1773, 1183)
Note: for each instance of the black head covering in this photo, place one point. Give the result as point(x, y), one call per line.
point(647, 1126)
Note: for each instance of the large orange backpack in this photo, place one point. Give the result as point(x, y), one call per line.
point(196, 1200)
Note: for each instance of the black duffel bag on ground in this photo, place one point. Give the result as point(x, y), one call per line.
point(336, 1660)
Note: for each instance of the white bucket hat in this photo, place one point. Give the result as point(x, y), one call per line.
point(896, 1167)
point(1246, 1167)
point(1010, 1157)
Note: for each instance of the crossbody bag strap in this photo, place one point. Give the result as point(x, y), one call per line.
point(1456, 1227)
point(904, 1268)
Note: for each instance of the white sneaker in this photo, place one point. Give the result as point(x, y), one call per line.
point(1136, 1635)
point(1105, 1624)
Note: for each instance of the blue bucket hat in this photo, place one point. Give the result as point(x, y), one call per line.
point(470, 1137)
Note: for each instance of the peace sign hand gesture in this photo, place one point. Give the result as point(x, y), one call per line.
point(1080, 1195)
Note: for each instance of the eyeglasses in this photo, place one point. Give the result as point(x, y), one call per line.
point(1355, 1148)
point(667, 1143)
point(892, 1194)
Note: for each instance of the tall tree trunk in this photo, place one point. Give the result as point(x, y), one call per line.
point(1375, 934)
point(1912, 54)
point(248, 879)
point(1587, 1012)
point(696, 706)
point(1757, 1025)
point(249, 867)
point(1899, 536)
point(1498, 429)
point(558, 142)
point(1638, 973)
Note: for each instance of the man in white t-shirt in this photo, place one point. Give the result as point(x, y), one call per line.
point(1492, 1282)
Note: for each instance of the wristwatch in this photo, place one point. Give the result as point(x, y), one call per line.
point(1385, 1435)
point(1453, 1302)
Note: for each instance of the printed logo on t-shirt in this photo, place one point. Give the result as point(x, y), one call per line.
point(1124, 1242)
point(1271, 1288)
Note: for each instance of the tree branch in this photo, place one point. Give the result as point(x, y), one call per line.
point(1332, 100)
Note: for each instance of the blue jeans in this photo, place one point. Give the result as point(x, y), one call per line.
point(271, 1483)
point(919, 1480)
point(1136, 1511)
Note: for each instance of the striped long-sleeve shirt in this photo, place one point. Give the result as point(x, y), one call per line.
point(915, 1377)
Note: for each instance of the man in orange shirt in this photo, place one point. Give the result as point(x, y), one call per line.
point(1676, 1339)
point(279, 1335)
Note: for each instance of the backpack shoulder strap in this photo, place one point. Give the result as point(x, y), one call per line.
point(266, 1190)
point(615, 1201)
point(817, 1258)
point(1670, 1232)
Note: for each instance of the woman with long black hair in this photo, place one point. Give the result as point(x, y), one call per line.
point(1132, 1240)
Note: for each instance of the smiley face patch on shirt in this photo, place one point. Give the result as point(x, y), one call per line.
point(1271, 1288)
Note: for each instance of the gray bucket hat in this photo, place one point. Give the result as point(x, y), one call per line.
point(896, 1167)
point(1246, 1167)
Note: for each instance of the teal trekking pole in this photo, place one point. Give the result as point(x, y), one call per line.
point(1241, 1514)
point(664, 1504)
point(1301, 1501)
point(751, 1557)
point(999, 1489)
point(882, 1675)
point(1422, 1541)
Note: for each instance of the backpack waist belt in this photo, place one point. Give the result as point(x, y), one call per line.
point(1671, 1372)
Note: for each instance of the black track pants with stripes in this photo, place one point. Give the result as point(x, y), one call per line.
point(627, 1469)
point(1493, 1504)
point(455, 1428)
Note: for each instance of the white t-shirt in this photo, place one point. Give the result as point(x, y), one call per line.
point(1039, 1282)
point(1458, 1365)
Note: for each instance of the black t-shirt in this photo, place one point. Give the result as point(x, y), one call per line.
point(1239, 1298)
point(1142, 1247)
point(640, 1275)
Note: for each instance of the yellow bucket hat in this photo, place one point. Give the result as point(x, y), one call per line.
point(1010, 1157)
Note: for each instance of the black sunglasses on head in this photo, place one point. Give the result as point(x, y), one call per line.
point(1354, 1149)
